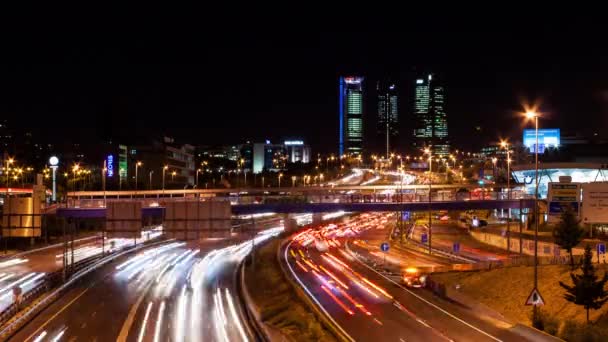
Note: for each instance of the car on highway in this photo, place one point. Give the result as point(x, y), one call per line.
point(414, 277)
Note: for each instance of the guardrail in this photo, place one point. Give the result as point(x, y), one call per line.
point(18, 321)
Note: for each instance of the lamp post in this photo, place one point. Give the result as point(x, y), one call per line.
point(196, 182)
point(505, 144)
point(293, 181)
point(494, 160)
point(428, 150)
point(54, 162)
point(137, 165)
point(104, 171)
point(173, 176)
point(280, 175)
point(533, 115)
point(150, 175)
point(165, 168)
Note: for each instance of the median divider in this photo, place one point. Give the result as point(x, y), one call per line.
point(251, 311)
point(22, 318)
point(316, 307)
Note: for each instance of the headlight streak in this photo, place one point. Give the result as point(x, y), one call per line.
point(181, 312)
point(58, 336)
point(235, 317)
point(13, 262)
point(159, 322)
point(144, 323)
point(338, 301)
point(40, 337)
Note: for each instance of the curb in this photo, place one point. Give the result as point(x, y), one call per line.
point(251, 310)
point(323, 316)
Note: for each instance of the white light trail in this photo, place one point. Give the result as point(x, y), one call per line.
point(142, 331)
point(235, 317)
point(58, 337)
point(181, 313)
point(159, 322)
point(40, 337)
point(12, 262)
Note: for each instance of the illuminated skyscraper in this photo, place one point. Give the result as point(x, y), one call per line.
point(351, 115)
point(431, 125)
point(388, 113)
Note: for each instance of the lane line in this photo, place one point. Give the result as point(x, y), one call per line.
point(311, 295)
point(59, 312)
point(430, 303)
point(126, 326)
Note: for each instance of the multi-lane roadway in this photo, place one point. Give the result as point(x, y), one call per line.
point(367, 305)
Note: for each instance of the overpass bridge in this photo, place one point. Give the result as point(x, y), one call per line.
point(306, 199)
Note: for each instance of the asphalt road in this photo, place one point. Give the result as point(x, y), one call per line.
point(371, 307)
point(174, 292)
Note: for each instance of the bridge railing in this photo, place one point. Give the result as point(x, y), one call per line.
point(328, 197)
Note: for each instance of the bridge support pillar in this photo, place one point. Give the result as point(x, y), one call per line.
point(290, 223)
point(317, 218)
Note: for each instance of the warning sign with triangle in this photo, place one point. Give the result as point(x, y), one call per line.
point(535, 298)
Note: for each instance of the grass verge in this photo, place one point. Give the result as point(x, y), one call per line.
point(506, 289)
point(279, 305)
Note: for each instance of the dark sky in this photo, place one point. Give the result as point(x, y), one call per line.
point(208, 82)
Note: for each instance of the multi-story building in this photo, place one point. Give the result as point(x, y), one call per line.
point(431, 126)
point(297, 151)
point(388, 113)
point(351, 115)
point(177, 161)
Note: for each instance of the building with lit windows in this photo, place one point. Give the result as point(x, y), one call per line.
point(351, 115)
point(431, 125)
point(388, 113)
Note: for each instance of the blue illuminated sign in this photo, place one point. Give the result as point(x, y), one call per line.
point(548, 137)
point(110, 165)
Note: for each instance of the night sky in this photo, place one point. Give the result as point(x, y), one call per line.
point(209, 83)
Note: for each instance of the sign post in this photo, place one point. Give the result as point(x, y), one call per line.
point(424, 238)
point(535, 298)
point(456, 247)
point(601, 249)
point(384, 247)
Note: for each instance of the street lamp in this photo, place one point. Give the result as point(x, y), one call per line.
point(494, 160)
point(428, 151)
point(173, 176)
point(165, 168)
point(150, 175)
point(533, 115)
point(54, 162)
point(505, 144)
point(293, 181)
point(280, 175)
point(197, 172)
point(137, 165)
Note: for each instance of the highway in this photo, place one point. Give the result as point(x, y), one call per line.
point(27, 270)
point(177, 291)
point(370, 306)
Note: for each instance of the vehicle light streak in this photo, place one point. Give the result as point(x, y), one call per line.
point(159, 322)
point(332, 276)
point(40, 337)
point(10, 286)
point(12, 262)
point(338, 301)
point(311, 265)
point(220, 318)
point(58, 336)
point(301, 266)
point(181, 312)
point(6, 277)
point(378, 288)
point(322, 280)
point(144, 323)
point(354, 302)
point(235, 317)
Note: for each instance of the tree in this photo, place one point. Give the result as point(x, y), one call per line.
point(587, 290)
point(568, 232)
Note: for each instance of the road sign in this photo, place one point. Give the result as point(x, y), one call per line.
point(405, 216)
point(424, 238)
point(535, 298)
point(601, 248)
point(384, 247)
point(456, 247)
point(557, 208)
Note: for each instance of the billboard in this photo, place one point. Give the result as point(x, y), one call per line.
point(563, 196)
point(547, 137)
point(595, 203)
point(110, 165)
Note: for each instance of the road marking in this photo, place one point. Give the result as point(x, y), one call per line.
point(286, 260)
point(126, 327)
point(59, 312)
point(433, 305)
